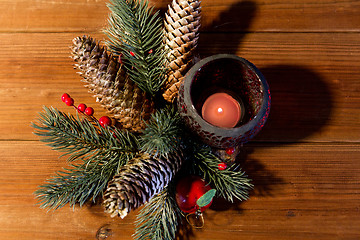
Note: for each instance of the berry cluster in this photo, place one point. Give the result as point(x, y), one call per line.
point(83, 109)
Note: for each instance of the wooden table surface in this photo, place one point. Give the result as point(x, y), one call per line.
point(305, 163)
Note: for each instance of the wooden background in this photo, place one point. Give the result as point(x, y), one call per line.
point(305, 163)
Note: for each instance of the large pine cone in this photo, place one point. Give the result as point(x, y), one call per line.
point(182, 23)
point(138, 181)
point(107, 79)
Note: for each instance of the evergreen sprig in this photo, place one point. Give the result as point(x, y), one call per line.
point(81, 138)
point(136, 32)
point(100, 151)
point(229, 184)
point(163, 136)
point(163, 133)
point(159, 218)
point(77, 184)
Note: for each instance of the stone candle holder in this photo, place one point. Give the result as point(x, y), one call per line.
point(237, 77)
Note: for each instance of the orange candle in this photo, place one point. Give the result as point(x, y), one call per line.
point(221, 110)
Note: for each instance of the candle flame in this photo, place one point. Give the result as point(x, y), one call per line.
point(220, 110)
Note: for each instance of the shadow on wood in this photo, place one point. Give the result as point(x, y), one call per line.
point(238, 16)
point(301, 104)
point(263, 179)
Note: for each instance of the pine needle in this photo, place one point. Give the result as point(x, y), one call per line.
point(163, 133)
point(229, 184)
point(136, 33)
point(75, 185)
point(100, 152)
point(159, 218)
point(80, 138)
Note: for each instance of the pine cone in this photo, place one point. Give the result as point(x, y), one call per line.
point(138, 181)
point(182, 23)
point(106, 78)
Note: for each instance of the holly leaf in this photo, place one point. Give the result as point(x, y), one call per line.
point(206, 198)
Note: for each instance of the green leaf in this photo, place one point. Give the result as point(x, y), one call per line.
point(206, 198)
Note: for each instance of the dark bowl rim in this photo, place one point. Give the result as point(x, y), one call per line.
point(227, 131)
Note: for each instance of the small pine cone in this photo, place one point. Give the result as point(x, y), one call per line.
point(182, 23)
point(138, 181)
point(107, 80)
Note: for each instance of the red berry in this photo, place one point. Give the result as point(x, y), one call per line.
point(132, 53)
point(69, 101)
point(64, 97)
point(89, 111)
point(105, 121)
point(222, 166)
point(151, 51)
point(188, 190)
point(81, 108)
point(230, 150)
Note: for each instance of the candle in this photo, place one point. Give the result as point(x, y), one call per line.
point(221, 110)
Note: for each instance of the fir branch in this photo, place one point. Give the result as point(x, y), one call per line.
point(78, 184)
point(136, 32)
point(100, 151)
point(159, 218)
point(163, 133)
point(81, 182)
point(80, 138)
point(229, 184)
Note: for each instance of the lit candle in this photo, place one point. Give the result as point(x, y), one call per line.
point(221, 110)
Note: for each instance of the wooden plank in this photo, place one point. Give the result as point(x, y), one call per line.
point(304, 163)
point(312, 77)
point(301, 192)
point(308, 191)
point(280, 16)
point(314, 80)
point(217, 15)
point(38, 70)
point(24, 166)
point(52, 16)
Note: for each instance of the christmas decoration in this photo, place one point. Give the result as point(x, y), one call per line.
point(105, 121)
point(228, 155)
point(159, 218)
point(181, 25)
point(106, 78)
point(135, 32)
point(69, 101)
point(98, 152)
point(230, 151)
point(89, 111)
point(64, 97)
point(139, 181)
point(140, 160)
point(188, 191)
point(222, 166)
point(81, 107)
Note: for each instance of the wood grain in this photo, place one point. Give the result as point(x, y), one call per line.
point(217, 15)
point(303, 186)
point(304, 163)
point(313, 77)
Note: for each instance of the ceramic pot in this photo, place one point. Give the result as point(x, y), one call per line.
point(233, 75)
